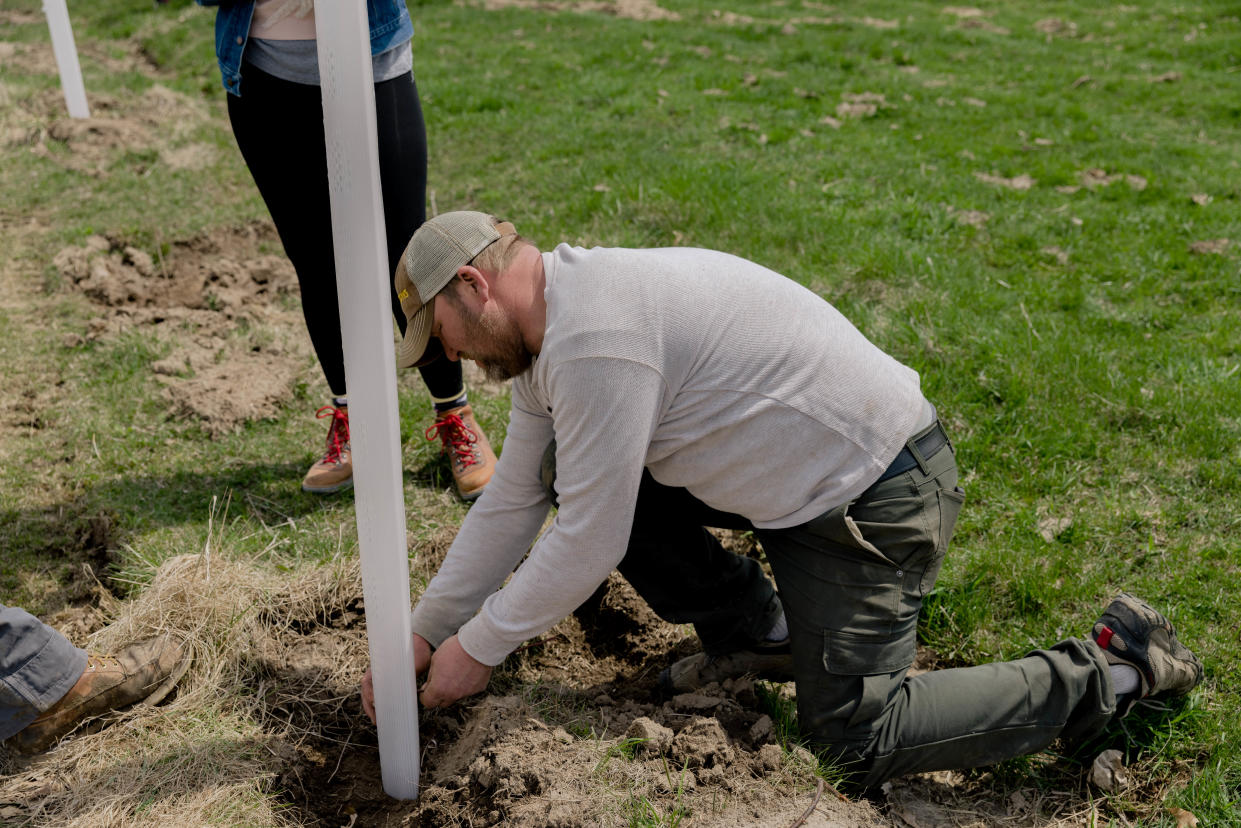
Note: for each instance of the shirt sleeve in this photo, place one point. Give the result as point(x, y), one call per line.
point(497, 531)
point(605, 411)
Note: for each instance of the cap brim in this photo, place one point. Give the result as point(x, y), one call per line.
point(416, 348)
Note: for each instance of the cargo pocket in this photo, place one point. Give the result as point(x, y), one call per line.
point(870, 661)
point(853, 586)
point(851, 654)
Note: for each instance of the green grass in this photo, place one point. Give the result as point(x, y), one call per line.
point(1086, 361)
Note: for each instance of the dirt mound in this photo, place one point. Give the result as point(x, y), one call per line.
point(509, 766)
point(576, 733)
point(159, 119)
point(632, 9)
point(223, 305)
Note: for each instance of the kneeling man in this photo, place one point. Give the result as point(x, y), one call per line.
point(657, 392)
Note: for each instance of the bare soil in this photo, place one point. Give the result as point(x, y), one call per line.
point(550, 745)
point(226, 308)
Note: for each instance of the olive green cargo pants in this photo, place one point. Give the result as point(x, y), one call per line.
point(852, 582)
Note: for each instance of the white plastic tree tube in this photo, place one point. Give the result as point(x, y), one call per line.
point(66, 57)
point(370, 368)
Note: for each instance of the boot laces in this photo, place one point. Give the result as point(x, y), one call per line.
point(338, 431)
point(458, 439)
point(95, 661)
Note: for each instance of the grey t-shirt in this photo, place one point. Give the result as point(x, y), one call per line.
point(297, 61)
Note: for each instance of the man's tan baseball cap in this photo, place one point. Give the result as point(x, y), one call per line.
point(434, 254)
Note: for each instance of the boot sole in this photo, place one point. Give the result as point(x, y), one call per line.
point(339, 487)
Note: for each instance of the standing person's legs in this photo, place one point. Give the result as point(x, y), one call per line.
point(38, 666)
point(403, 177)
point(852, 583)
point(403, 174)
point(279, 130)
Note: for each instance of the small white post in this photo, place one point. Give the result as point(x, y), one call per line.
point(363, 286)
point(66, 57)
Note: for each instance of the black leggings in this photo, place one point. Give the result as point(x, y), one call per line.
point(279, 129)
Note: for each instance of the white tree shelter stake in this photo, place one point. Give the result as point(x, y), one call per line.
point(364, 287)
point(66, 57)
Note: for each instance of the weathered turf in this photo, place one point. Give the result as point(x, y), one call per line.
point(1023, 204)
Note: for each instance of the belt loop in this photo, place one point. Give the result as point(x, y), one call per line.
point(912, 445)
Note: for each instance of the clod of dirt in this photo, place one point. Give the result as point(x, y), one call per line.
point(970, 218)
point(196, 275)
point(1215, 247)
point(768, 760)
point(1109, 772)
point(696, 701)
point(631, 9)
point(1058, 253)
point(762, 731)
point(655, 738)
point(248, 386)
point(218, 300)
point(1018, 182)
point(1055, 26)
point(159, 119)
point(861, 104)
point(1184, 818)
point(983, 25)
point(702, 744)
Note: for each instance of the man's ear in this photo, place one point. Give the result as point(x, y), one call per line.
point(474, 283)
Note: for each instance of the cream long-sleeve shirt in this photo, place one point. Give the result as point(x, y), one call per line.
point(716, 374)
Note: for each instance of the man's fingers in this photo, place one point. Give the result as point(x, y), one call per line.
point(368, 695)
point(422, 661)
point(453, 675)
point(431, 696)
point(422, 655)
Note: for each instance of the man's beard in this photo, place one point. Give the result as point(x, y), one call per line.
point(495, 344)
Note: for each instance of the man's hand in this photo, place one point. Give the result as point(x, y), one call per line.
point(422, 660)
point(454, 675)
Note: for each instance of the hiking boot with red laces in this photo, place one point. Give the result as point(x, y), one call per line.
point(333, 471)
point(146, 671)
point(469, 453)
point(1132, 632)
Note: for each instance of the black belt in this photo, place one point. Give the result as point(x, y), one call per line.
point(927, 445)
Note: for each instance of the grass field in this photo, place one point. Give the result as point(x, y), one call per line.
point(1036, 205)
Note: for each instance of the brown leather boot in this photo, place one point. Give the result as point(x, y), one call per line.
point(468, 450)
point(146, 671)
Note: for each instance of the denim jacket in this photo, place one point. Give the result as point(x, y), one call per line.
point(389, 22)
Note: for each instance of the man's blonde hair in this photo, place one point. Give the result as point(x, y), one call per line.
point(498, 255)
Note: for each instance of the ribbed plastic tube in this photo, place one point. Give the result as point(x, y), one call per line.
point(370, 370)
point(66, 57)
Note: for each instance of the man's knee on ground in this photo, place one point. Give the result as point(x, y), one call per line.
point(854, 762)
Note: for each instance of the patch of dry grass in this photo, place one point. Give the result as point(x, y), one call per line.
point(212, 755)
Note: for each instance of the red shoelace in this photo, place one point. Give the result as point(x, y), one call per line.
point(456, 437)
point(338, 431)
